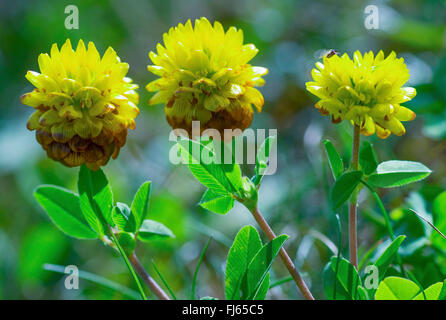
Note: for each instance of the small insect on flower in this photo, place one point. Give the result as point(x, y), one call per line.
point(368, 91)
point(325, 53)
point(204, 76)
point(83, 104)
point(331, 53)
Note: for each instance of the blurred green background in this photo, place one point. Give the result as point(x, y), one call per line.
point(288, 34)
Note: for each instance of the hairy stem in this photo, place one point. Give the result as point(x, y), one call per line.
point(150, 282)
point(283, 255)
point(353, 206)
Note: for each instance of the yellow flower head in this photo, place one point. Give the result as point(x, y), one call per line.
point(205, 76)
point(83, 104)
point(366, 90)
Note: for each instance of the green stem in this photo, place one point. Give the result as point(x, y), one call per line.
point(129, 266)
point(352, 212)
point(197, 268)
point(387, 220)
point(282, 253)
point(164, 281)
point(382, 208)
point(338, 223)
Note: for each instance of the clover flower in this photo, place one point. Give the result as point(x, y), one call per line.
point(367, 91)
point(204, 76)
point(83, 104)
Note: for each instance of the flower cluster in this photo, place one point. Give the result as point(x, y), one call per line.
point(367, 91)
point(83, 104)
point(204, 76)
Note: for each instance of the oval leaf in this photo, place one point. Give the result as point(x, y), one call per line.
point(344, 187)
point(245, 246)
point(217, 203)
point(397, 173)
point(383, 262)
point(226, 155)
point(123, 218)
point(260, 265)
point(434, 292)
point(367, 158)
point(204, 166)
point(341, 280)
point(263, 289)
point(140, 203)
point(362, 292)
point(334, 159)
point(396, 288)
point(96, 198)
point(439, 209)
point(63, 207)
point(152, 230)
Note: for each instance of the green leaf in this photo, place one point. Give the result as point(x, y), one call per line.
point(233, 173)
point(96, 198)
point(224, 156)
point(439, 209)
point(417, 206)
point(396, 288)
point(260, 265)
point(123, 218)
point(164, 281)
point(263, 289)
point(245, 246)
point(127, 241)
point(334, 159)
point(225, 153)
point(341, 280)
point(383, 262)
point(367, 158)
point(362, 293)
point(442, 295)
point(204, 166)
point(140, 203)
point(397, 173)
point(332, 289)
point(151, 230)
point(63, 207)
point(344, 187)
point(434, 292)
point(217, 203)
point(439, 205)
